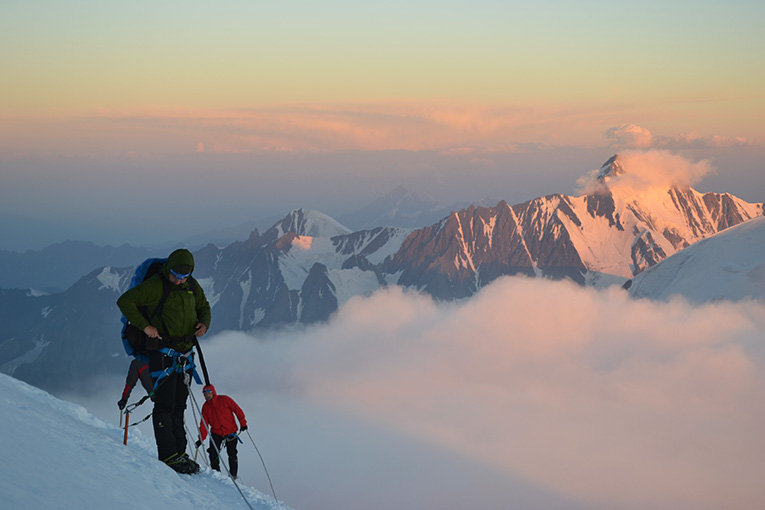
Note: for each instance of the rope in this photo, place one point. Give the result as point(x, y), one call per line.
point(194, 413)
point(264, 465)
point(196, 450)
point(129, 409)
point(138, 422)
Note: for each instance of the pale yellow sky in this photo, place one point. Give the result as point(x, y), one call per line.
point(676, 66)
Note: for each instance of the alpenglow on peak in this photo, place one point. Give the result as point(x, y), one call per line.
point(610, 168)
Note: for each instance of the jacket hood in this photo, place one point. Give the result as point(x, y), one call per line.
point(180, 257)
point(212, 388)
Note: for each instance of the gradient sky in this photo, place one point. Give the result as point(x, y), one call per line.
point(249, 109)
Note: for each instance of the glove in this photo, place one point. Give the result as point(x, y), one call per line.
point(122, 403)
point(244, 427)
point(198, 443)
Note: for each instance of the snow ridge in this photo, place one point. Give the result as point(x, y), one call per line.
point(729, 265)
point(62, 455)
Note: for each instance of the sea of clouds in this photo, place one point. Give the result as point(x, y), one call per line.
point(532, 394)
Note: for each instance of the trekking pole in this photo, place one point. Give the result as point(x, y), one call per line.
point(121, 411)
point(264, 465)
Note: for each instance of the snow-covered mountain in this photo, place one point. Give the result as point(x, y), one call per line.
point(729, 266)
point(60, 265)
point(307, 265)
point(300, 270)
point(58, 340)
point(223, 236)
point(282, 277)
point(57, 455)
point(613, 232)
point(307, 223)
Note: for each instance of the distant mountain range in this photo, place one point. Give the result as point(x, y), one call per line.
point(300, 270)
point(60, 265)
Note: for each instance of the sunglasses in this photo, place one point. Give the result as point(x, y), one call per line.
point(179, 275)
point(207, 391)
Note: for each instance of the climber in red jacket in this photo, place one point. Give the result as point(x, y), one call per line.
point(218, 414)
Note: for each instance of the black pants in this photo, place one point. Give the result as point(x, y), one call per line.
point(233, 462)
point(169, 407)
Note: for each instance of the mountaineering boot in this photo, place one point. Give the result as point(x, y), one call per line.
point(233, 467)
point(190, 463)
point(182, 464)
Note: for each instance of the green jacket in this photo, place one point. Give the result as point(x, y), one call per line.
point(186, 304)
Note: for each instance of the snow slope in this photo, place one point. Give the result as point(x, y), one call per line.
point(729, 265)
point(57, 455)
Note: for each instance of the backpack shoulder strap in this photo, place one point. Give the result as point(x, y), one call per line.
point(166, 289)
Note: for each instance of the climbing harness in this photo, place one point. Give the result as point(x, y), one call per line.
point(181, 364)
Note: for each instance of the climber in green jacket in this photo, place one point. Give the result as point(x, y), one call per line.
point(171, 309)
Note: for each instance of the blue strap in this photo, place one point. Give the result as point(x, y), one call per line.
point(234, 435)
point(158, 375)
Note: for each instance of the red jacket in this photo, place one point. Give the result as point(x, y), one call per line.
point(218, 413)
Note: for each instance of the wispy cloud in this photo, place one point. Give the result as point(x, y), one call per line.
point(414, 126)
point(483, 129)
point(631, 136)
point(648, 170)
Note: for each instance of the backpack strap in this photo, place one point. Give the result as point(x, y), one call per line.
point(166, 289)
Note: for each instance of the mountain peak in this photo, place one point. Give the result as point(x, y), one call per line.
point(306, 222)
point(611, 168)
point(641, 172)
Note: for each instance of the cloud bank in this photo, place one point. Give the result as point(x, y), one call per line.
point(631, 136)
point(598, 400)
